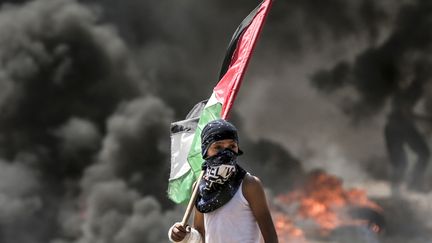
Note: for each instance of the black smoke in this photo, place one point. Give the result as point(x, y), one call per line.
point(73, 100)
point(377, 71)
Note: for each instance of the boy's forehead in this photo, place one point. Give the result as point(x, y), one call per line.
point(225, 141)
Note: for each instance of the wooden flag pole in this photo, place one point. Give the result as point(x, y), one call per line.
point(191, 201)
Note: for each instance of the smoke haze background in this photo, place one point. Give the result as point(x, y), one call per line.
point(88, 90)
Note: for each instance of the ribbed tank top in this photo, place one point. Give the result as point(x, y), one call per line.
point(232, 223)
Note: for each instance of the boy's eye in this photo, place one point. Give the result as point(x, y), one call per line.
point(218, 147)
point(233, 146)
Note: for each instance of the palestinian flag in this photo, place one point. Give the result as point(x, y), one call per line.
point(186, 157)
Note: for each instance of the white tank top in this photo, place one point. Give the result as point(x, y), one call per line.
point(232, 223)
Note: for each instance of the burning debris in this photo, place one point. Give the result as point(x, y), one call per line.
point(286, 229)
point(321, 206)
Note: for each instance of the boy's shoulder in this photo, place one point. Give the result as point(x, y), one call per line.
point(251, 179)
point(251, 185)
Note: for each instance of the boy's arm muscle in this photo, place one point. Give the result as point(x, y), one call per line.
point(199, 223)
point(254, 194)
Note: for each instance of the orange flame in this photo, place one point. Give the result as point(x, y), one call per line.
point(322, 201)
point(286, 230)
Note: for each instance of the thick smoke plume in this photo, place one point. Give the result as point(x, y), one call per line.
point(79, 134)
point(88, 90)
point(377, 71)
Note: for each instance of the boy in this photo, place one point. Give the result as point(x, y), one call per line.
point(231, 206)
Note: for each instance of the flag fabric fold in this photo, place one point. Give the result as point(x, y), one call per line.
point(186, 157)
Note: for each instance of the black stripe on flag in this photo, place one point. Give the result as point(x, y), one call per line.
point(233, 43)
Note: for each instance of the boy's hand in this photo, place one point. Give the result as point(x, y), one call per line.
point(178, 232)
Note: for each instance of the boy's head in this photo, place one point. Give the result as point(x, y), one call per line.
point(218, 135)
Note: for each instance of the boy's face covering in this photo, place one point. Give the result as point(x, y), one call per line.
point(225, 156)
point(221, 181)
point(220, 168)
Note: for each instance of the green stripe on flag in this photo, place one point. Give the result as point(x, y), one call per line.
point(209, 114)
point(180, 189)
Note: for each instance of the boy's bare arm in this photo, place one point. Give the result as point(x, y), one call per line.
point(254, 194)
point(199, 223)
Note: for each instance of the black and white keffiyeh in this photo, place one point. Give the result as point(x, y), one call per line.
point(222, 176)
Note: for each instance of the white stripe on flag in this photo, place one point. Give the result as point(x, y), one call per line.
point(212, 101)
point(180, 146)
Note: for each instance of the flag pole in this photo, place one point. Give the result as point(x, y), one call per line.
point(191, 201)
